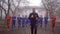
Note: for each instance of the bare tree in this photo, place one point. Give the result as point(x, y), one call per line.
point(17, 7)
point(50, 6)
point(2, 8)
point(8, 6)
point(1, 11)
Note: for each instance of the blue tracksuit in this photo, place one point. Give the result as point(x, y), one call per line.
point(26, 21)
point(46, 19)
point(40, 20)
point(13, 21)
point(19, 20)
point(23, 22)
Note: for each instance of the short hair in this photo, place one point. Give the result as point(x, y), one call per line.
point(33, 9)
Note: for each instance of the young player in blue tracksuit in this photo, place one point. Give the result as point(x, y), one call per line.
point(46, 21)
point(19, 21)
point(40, 20)
point(13, 21)
point(26, 20)
point(23, 22)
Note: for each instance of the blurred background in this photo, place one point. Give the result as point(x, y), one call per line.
point(24, 7)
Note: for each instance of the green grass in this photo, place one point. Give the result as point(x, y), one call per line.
point(57, 23)
point(2, 22)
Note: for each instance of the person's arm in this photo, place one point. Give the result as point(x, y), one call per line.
point(29, 17)
point(37, 16)
point(55, 17)
point(17, 19)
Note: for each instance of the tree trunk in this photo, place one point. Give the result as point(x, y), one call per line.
point(1, 11)
point(8, 6)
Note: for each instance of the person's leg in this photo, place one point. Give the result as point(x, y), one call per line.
point(7, 24)
point(23, 23)
point(35, 29)
point(26, 23)
point(12, 25)
point(31, 30)
point(18, 26)
point(8, 28)
point(53, 26)
point(45, 25)
point(41, 24)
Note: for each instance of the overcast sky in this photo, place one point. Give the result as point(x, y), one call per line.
point(31, 3)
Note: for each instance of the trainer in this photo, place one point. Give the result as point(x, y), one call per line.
point(33, 17)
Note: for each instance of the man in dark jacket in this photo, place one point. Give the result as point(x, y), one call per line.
point(33, 17)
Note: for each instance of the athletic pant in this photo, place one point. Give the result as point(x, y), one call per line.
point(33, 29)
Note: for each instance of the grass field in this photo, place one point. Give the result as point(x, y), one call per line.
point(22, 31)
point(2, 22)
point(57, 23)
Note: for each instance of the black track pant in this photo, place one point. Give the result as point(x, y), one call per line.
point(33, 29)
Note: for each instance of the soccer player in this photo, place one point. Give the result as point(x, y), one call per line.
point(19, 21)
point(13, 21)
point(26, 20)
point(23, 21)
point(8, 19)
point(53, 19)
point(41, 21)
point(46, 21)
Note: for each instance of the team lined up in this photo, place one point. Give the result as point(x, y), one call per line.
point(25, 21)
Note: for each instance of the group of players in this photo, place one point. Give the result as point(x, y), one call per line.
point(13, 19)
point(25, 21)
